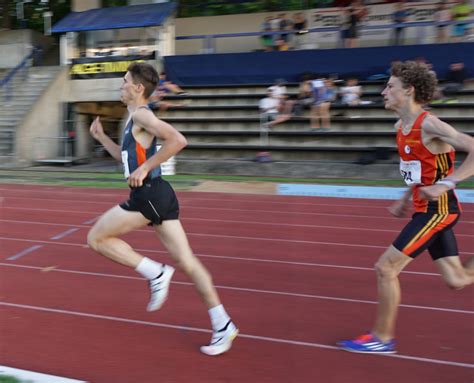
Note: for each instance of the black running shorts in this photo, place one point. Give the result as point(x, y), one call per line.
point(155, 199)
point(429, 231)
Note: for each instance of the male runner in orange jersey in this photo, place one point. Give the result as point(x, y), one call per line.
point(425, 145)
point(153, 202)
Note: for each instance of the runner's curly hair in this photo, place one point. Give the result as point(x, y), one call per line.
point(419, 76)
point(145, 74)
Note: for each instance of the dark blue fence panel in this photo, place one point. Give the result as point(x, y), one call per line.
point(265, 67)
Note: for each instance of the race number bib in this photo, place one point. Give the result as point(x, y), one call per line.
point(411, 171)
point(126, 169)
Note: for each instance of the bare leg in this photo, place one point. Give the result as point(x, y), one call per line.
point(454, 274)
point(325, 118)
point(315, 117)
point(388, 267)
point(281, 118)
point(115, 222)
point(173, 237)
point(469, 268)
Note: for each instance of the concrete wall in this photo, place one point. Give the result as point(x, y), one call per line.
point(45, 119)
point(16, 44)
point(84, 5)
point(220, 24)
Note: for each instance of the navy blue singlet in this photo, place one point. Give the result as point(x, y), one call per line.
point(133, 154)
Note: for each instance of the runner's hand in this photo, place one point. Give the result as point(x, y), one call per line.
point(96, 129)
point(432, 192)
point(399, 208)
point(137, 177)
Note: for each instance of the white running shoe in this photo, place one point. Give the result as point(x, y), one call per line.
point(221, 340)
point(159, 288)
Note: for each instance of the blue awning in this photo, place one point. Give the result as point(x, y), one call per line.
point(133, 16)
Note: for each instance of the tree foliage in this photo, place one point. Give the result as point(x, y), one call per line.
point(33, 11)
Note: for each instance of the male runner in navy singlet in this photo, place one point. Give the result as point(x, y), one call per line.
point(153, 202)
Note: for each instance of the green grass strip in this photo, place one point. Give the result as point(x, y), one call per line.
point(10, 379)
point(116, 180)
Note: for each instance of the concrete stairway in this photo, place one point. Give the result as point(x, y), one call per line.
point(25, 92)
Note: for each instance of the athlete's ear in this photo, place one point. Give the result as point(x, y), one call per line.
point(140, 87)
point(410, 90)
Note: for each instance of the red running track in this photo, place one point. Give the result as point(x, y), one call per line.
point(295, 273)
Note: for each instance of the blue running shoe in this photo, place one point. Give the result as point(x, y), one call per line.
point(368, 344)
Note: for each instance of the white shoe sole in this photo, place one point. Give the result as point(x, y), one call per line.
point(368, 352)
point(167, 276)
point(218, 350)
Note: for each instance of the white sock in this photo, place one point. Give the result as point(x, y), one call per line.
point(149, 268)
point(219, 317)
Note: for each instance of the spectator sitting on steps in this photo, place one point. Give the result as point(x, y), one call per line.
point(167, 86)
point(456, 78)
point(274, 109)
point(350, 94)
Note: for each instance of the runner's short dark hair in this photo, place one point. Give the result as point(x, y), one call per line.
point(145, 74)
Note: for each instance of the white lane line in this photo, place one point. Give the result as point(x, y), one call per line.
point(24, 252)
point(247, 336)
point(83, 245)
point(248, 290)
point(198, 197)
point(91, 221)
point(35, 377)
point(241, 210)
point(266, 224)
point(65, 233)
point(211, 235)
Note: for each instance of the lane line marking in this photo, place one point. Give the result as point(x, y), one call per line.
point(351, 228)
point(241, 335)
point(243, 210)
point(247, 238)
point(35, 377)
point(234, 258)
point(248, 290)
point(91, 221)
point(65, 233)
point(24, 252)
point(271, 199)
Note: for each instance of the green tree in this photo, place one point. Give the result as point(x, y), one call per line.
point(33, 11)
point(6, 6)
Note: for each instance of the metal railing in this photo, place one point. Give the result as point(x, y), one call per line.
point(209, 41)
point(22, 69)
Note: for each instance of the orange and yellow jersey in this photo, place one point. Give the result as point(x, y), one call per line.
point(419, 167)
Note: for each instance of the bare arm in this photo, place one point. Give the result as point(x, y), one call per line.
point(97, 131)
point(399, 208)
point(173, 143)
point(434, 128)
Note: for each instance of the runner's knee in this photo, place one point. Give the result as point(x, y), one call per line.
point(385, 270)
point(93, 240)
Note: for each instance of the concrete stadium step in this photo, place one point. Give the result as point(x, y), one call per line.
point(465, 95)
point(7, 142)
point(293, 138)
point(191, 110)
point(24, 94)
point(296, 169)
point(295, 124)
point(283, 152)
point(367, 86)
point(262, 88)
